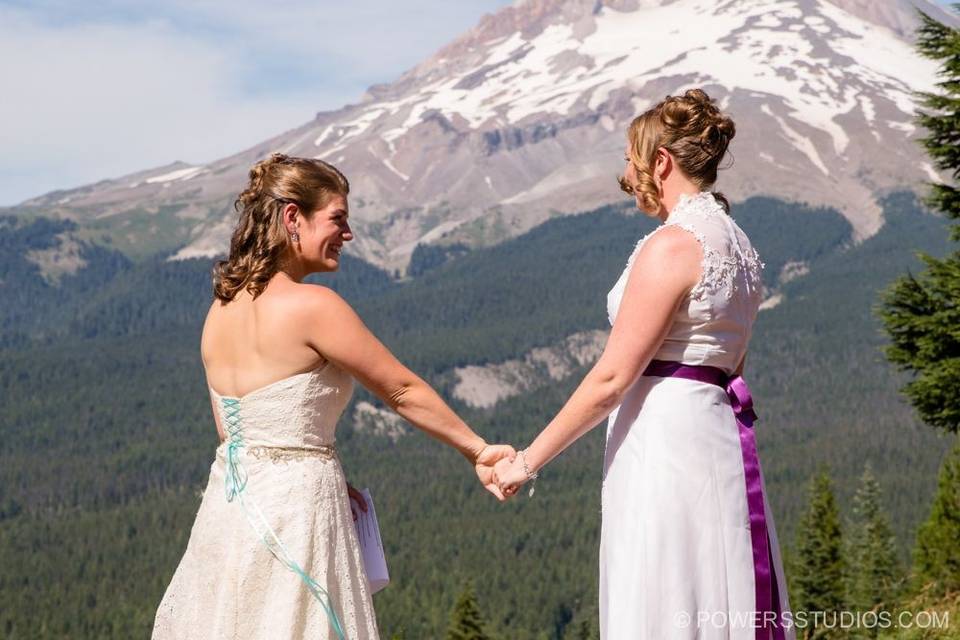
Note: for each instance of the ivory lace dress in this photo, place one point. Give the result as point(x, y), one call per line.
point(676, 536)
point(275, 507)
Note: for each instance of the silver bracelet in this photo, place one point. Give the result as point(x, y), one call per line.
point(532, 477)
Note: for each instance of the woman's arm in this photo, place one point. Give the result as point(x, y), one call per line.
point(337, 333)
point(663, 273)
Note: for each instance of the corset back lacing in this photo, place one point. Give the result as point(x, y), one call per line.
point(236, 479)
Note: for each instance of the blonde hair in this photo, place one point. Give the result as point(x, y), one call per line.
point(693, 130)
point(260, 239)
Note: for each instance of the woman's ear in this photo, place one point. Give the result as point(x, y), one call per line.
point(291, 217)
point(663, 164)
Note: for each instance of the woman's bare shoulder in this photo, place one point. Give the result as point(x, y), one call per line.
point(316, 299)
point(672, 239)
point(672, 246)
point(672, 254)
point(281, 299)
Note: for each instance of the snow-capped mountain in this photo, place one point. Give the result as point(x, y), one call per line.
point(524, 117)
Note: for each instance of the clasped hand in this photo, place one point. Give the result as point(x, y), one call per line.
point(500, 470)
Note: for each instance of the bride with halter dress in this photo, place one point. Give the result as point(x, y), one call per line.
point(688, 547)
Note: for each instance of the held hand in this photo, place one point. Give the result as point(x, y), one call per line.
point(490, 455)
point(510, 476)
point(356, 496)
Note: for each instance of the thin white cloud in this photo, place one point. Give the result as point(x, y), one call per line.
point(97, 90)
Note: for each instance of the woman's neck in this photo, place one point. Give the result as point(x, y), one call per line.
point(290, 269)
point(672, 194)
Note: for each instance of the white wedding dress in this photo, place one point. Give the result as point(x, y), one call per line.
point(276, 483)
point(675, 552)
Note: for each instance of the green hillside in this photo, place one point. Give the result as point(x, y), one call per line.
point(106, 438)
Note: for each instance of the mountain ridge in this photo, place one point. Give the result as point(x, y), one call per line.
point(523, 117)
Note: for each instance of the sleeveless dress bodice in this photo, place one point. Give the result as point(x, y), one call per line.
point(274, 544)
point(714, 322)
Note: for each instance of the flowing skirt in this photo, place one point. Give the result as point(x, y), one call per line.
point(676, 558)
point(229, 585)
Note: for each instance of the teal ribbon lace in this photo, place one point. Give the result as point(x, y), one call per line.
point(236, 482)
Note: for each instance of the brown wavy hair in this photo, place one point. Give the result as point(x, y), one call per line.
point(260, 240)
point(695, 132)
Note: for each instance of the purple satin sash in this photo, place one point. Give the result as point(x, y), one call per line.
point(765, 581)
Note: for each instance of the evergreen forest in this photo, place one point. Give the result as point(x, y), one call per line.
point(106, 436)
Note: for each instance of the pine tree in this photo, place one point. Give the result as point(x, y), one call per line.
point(921, 313)
point(873, 571)
point(583, 630)
point(466, 623)
point(937, 553)
point(818, 564)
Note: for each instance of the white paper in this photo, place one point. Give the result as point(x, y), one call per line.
point(371, 547)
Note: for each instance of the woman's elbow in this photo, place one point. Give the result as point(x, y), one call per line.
point(397, 396)
point(610, 388)
point(407, 393)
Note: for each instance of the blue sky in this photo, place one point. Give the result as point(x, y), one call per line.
point(102, 88)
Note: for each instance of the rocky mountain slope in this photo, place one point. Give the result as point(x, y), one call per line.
point(523, 117)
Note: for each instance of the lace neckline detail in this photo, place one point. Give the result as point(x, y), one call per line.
point(702, 203)
point(720, 267)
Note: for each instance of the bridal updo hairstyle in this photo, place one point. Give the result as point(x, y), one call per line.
point(260, 239)
point(693, 130)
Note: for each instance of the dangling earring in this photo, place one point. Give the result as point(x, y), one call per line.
point(659, 182)
point(295, 236)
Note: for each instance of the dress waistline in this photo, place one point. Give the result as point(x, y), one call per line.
point(282, 454)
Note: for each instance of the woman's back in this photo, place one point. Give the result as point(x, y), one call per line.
point(249, 343)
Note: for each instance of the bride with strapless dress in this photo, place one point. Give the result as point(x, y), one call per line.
point(274, 553)
point(276, 492)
